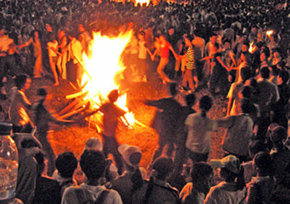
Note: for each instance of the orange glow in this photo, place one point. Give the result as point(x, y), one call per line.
point(104, 69)
point(269, 32)
point(143, 2)
point(252, 49)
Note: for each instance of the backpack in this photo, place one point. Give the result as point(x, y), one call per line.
point(84, 197)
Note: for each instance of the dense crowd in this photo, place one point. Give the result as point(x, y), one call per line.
point(237, 51)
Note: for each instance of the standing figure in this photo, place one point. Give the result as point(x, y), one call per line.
point(38, 69)
point(111, 115)
point(19, 104)
point(42, 117)
point(164, 48)
point(52, 48)
point(166, 120)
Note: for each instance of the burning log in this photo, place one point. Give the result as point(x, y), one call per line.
point(77, 102)
point(75, 112)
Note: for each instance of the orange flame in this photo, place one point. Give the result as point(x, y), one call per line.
point(104, 68)
point(146, 2)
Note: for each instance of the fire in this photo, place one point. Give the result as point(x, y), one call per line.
point(252, 48)
point(103, 69)
point(143, 2)
point(269, 32)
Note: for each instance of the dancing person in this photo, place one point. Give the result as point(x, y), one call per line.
point(163, 48)
point(165, 121)
point(52, 48)
point(199, 126)
point(19, 105)
point(41, 118)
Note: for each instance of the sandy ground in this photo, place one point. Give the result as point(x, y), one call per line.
point(73, 137)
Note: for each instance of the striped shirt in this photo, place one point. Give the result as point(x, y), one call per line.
point(190, 62)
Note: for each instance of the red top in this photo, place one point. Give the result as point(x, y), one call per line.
point(164, 50)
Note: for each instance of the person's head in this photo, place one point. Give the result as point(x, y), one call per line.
point(171, 31)
point(51, 37)
point(265, 73)
point(28, 143)
point(248, 107)
point(94, 143)
point(190, 99)
point(162, 168)
point(93, 164)
point(41, 93)
point(131, 155)
point(247, 92)
point(66, 163)
point(276, 54)
point(213, 38)
point(162, 38)
point(263, 163)
point(245, 47)
point(283, 77)
point(141, 35)
point(22, 82)
point(278, 136)
point(205, 103)
point(263, 56)
point(201, 176)
point(173, 89)
point(231, 170)
point(245, 74)
point(113, 95)
point(81, 28)
point(256, 146)
point(227, 45)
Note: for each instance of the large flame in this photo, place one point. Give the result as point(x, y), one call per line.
point(142, 2)
point(104, 67)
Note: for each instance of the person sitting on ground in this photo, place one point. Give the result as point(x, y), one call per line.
point(93, 164)
point(47, 190)
point(232, 189)
point(131, 180)
point(260, 188)
point(66, 164)
point(157, 190)
point(195, 191)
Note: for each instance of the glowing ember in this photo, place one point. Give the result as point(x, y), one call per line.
point(252, 48)
point(269, 32)
point(104, 68)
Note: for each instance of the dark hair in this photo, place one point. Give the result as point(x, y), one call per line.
point(113, 95)
point(263, 162)
point(41, 92)
point(93, 164)
point(66, 163)
point(163, 167)
point(200, 170)
point(247, 92)
point(28, 143)
point(173, 89)
point(205, 104)
point(20, 81)
point(245, 74)
point(190, 99)
point(265, 73)
point(248, 107)
point(284, 76)
point(230, 176)
point(256, 146)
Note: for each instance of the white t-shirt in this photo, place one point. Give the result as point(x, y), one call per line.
point(199, 128)
point(70, 195)
point(225, 193)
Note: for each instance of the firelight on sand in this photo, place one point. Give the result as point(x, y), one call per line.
point(104, 69)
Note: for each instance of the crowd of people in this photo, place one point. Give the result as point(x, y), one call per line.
point(238, 51)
